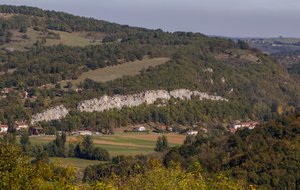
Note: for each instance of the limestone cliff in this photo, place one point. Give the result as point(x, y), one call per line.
point(149, 97)
point(119, 101)
point(53, 113)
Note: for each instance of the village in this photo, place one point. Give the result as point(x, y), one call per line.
point(160, 129)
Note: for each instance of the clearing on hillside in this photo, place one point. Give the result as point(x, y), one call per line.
point(66, 38)
point(117, 71)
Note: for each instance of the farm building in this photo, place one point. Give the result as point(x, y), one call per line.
point(139, 128)
point(192, 132)
point(36, 130)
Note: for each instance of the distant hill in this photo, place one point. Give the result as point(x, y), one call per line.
point(273, 45)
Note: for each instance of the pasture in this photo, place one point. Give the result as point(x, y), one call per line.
point(117, 71)
point(66, 38)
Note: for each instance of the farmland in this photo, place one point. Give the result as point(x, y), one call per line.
point(122, 144)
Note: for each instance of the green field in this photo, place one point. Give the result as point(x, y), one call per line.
point(115, 145)
point(70, 39)
point(120, 139)
point(126, 150)
point(77, 163)
point(118, 71)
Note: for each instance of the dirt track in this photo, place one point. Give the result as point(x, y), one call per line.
point(172, 138)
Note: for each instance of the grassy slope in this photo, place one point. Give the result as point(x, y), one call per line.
point(113, 72)
point(70, 39)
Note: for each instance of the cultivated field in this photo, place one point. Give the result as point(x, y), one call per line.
point(123, 144)
point(173, 139)
point(118, 71)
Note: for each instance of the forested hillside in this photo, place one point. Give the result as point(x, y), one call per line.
point(254, 84)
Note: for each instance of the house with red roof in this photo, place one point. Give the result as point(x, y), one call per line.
point(21, 125)
point(203, 129)
point(232, 130)
point(3, 128)
point(161, 127)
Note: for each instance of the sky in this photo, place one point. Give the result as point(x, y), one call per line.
point(230, 18)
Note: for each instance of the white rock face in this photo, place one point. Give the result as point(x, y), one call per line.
point(57, 112)
point(208, 69)
point(223, 80)
point(119, 101)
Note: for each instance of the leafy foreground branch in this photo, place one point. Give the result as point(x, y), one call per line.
point(17, 172)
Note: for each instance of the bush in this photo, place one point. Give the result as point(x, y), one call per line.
point(23, 29)
point(24, 36)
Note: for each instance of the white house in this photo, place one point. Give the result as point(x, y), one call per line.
point(140, 128)
point(250, 125)
point(84, 132)
point(3, 128)
point(236, 125)
point(192, 132)
point(22, 125)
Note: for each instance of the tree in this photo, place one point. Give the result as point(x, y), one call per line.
point(24, 140)
point(8, 138)
point(17, 172)
point(164, 142)
point(58, 85)
point(159, 145)
point(52, 95)
point(23, 29)
point(42, 156)
point(69, 85)
point(45, 102)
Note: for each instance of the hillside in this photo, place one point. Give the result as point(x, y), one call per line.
point(266, 156)
point(273, 45)
point(254, 84)
point(68, 73)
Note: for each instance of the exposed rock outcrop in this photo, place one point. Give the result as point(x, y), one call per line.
point(119, 101)
point(57, 112)
point(149, 97)
point(208, 69)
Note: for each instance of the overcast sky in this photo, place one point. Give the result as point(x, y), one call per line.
point(232, 18)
